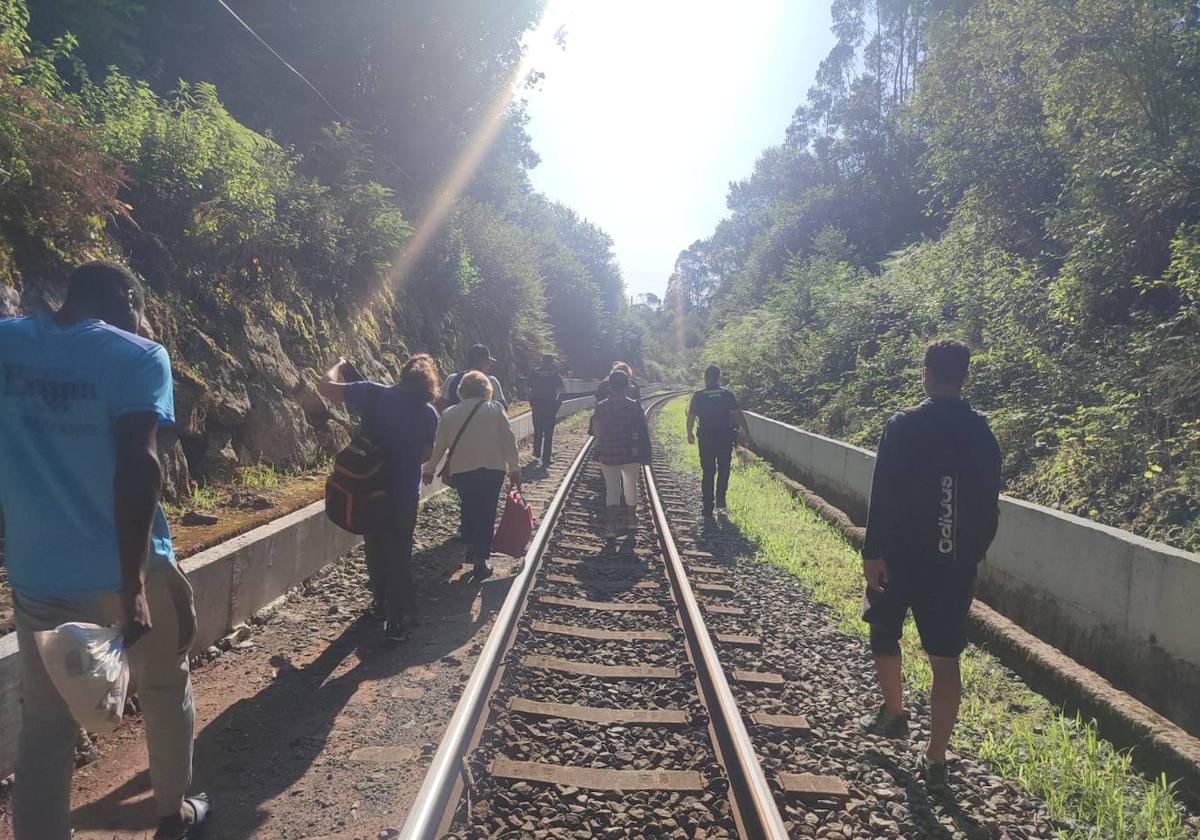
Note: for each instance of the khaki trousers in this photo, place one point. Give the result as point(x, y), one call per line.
point(159, 674)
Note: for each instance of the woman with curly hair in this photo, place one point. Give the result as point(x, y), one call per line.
point(603, 392)
point(401, 419)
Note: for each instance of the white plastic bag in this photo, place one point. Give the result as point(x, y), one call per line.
point(88, 666)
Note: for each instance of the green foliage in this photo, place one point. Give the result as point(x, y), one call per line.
point(57, 187)
point(14, 27)
point(1054, 150)
point(239, 200)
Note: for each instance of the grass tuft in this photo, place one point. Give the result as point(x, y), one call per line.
point(1018, 733)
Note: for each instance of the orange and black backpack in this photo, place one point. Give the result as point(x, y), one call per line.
point(358, 491)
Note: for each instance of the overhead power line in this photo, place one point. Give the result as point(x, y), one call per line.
point(286, 63)
point(342, 117)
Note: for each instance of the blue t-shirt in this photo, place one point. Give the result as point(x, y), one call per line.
point(403, 425)
point(61, 391)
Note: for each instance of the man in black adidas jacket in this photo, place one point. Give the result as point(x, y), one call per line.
point(934, 511)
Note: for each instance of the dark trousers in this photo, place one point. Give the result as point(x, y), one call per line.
point(478, 493)
point(545, 415)
point(716, 454)
point(389, 563)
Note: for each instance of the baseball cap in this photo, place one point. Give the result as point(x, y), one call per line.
point(479, 353)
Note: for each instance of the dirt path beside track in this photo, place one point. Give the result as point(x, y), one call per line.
point(312, 727)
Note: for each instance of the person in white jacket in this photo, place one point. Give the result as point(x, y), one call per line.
point(480, 449)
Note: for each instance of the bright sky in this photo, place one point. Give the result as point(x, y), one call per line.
point(656, 105)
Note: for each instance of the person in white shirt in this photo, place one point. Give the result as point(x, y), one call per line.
point(480, 449)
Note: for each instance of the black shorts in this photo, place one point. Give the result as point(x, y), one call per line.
point(939, 597)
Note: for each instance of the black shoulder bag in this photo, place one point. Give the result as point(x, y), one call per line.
point(445, 475)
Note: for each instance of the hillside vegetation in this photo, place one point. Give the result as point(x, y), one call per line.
point(1023, 174)
point(267, 227)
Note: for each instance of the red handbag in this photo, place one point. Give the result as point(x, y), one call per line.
point(516, 526)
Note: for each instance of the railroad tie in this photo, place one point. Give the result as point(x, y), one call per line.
point(605, 606)
point(738, 640)
point(604, 583)
point(796, 723)
point(722, 609)
point(588, 548)
point(761, 678)
point(603, 672)
point(594, 714)
point(596, 778)
point(608, 563)
point(809, 786)
point(601, 635)
point(707, 570)
point(716, 590)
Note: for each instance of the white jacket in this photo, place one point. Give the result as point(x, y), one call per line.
point(488, 442)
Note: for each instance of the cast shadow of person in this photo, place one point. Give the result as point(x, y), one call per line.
point(261, 746)
point(925, 808)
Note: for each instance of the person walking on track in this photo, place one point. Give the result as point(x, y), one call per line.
point(720, 419)
point(602, 390)
point(480, 449)
point(622, 446)
point(933, 513)
point(546, 391)
point(80, 478)
point(401, 419)
point(479, 358)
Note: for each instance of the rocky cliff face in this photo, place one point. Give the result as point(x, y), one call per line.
point(244, 375)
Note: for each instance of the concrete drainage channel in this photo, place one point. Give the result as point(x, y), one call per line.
point(235, 579)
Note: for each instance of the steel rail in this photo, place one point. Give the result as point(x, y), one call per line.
point(433, 798)
point(748, 783)
point(752, 798)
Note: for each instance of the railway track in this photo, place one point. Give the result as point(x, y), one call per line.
point(599, 707)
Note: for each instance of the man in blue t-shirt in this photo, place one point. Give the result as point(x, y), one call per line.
point(81, 399)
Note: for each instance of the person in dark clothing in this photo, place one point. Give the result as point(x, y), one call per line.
point(716, 410)
point(622, 445)
point(546, 391)
point(402, 420)
point(479, 358)
point(933, 513)
point(603, 389)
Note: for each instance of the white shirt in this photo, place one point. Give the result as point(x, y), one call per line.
point(488, 442)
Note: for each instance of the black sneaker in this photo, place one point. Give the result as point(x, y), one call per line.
point(481, 571)
point(885, 724)
point(934, 775)
point(395, 632)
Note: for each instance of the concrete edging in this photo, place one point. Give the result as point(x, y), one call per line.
point(238, 577)
point(1158, 744)
point(1119, 604)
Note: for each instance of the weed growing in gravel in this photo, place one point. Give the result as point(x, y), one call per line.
point(258, 477)
point(202, 497)
point(1017, 732)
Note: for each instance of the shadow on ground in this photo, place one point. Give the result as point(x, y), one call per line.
point(263, 745)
